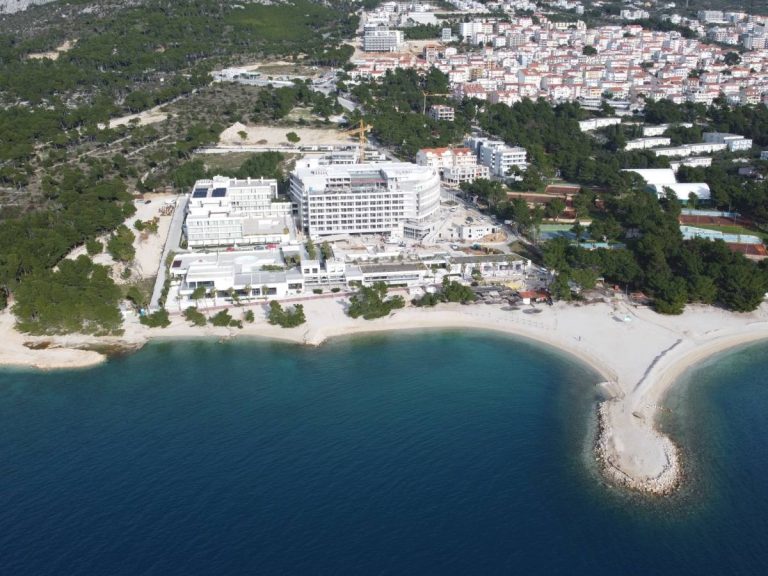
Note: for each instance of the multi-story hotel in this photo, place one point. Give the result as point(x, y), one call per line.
point(225, 211)
point(381, 39)
point(380, 197)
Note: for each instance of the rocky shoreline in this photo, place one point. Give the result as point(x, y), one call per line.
point(665, 483)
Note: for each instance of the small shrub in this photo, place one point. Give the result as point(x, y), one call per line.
point(94, 247)
point(317, 291)
point(286, 318)
point(157, 319)
point(336, 289)
point(248, 316)
point(221, 319)
point(194, 316)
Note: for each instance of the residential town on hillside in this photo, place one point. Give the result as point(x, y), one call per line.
point(507, 59)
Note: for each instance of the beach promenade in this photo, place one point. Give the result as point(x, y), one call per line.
point(639, 355)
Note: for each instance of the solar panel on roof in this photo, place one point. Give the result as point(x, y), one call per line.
point(200, 193)
point(219, 193)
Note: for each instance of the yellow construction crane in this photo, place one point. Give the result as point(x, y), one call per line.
point(424, 102)
point(360, 131)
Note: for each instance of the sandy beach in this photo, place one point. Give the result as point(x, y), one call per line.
point(639, 355)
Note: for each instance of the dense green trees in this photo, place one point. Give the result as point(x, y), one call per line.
point(120, 244)
point(157, 319)
point(422, 32)
point(394, 107)
point(371, 302)
point(275, 104)
point(450, 291)
point(78, 297)
point(83, 207)
point(257, 165)
point(223, 319)
point(491, 192)
point(194, 316)
point(131, 58)
point(731, 191)
point(286, 318)
point(656, 259)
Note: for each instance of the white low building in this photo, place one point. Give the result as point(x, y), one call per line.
point(660, 180)
point(734, 142)
point(649, 142)
point(696, 162)
point(655, 130)
point(691, 149)
point(227, 212)
point(400, 274)
point(253, 275)
point(244, 274)
point(596, 123)
point(489, 266)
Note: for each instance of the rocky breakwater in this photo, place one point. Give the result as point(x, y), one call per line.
point(632, 453)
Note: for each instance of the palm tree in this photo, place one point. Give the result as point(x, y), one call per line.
point(198, 294)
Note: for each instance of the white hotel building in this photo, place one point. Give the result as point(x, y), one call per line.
point(455, 165)
point(225, 211)
point(382, 197)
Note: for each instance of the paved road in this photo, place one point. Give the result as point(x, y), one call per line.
point(171, 245)
point(347, 104)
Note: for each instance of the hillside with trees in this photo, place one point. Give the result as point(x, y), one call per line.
point(655, 258)
point(66, 177)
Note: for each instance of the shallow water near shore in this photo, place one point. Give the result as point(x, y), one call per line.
point(405, 453)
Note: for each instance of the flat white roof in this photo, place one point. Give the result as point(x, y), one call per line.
point(655, 176)
point(700, 189)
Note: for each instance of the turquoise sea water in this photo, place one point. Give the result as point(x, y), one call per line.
point(421, 453)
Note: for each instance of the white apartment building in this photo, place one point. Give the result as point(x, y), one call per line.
point(497, 156)
point(442, 158)
point(655, 130)
point(734, 142)
point(633, 14)
point(697, 161)
point(711, 16)
point(455, 175)
point(691, 149)
point(441, 112)
point(382, 39)
point(500, 159)
point(226, 211)
point(363, 198)
point(455, 165)
point(596, 123)
point(645, 143)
